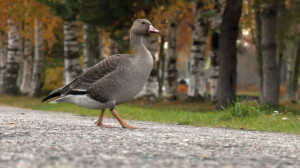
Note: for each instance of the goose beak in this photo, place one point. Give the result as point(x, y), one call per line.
point(153, 30)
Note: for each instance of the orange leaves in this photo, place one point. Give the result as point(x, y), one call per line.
point(49, 25)
point(23, 13)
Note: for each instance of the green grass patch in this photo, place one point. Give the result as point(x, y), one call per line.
point(243, 115)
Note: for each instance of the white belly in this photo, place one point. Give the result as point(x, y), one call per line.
point(81, 100)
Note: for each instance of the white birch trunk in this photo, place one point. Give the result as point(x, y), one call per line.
point(150, 89)
point(161, 66)
point(90, 46)
point(3, 48)
point(21, 63)
point(197, 84)
point(38, 60)
point(171, 78)
point(27, 67)
point(12, 62)
point(214, 57)
point(71, 51)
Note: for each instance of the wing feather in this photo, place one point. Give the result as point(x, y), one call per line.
point(95, 73)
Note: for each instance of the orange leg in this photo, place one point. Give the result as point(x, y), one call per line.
point(121, 121)
point(99, 121)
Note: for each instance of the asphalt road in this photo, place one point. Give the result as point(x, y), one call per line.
point(31, 138)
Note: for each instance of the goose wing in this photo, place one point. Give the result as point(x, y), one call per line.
point(95, 73)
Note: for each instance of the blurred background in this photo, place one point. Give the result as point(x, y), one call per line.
point(208, 50)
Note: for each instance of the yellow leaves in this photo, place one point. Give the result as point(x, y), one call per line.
point(53, 78)
point(140, 14)
point(49, 25)
point(209, 4)
point(80, 32)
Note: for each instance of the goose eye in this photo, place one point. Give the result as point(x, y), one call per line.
point(143, 23)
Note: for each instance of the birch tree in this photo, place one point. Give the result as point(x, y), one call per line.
point(12, 62)
point(269, 62)
point(161, 65)
point(68, 11)
point(214, 57)
point(21, 61)
point(197, 84)
point(3, 47)
point(38, 60)
point(227, 81)
point(27, 66)
point(25, 75)
point(171, 82)
point(71, 51)
point(91, 46)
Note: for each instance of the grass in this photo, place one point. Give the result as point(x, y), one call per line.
point(249, 116)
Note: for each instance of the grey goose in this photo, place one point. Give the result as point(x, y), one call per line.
point(114, 80)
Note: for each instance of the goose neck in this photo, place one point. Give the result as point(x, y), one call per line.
point(137, 44)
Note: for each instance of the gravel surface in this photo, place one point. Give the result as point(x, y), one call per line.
point(31, 138)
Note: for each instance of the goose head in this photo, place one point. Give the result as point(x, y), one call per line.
point(143, 27)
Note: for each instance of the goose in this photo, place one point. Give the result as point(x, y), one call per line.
point(114, 80)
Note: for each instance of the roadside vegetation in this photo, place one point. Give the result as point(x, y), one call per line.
point(242, 115)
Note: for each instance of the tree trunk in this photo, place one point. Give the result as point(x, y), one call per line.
point(289, 76)
point(71, 51)
point(27, 67)
point(270, 70)
point(91, 46)
point(3, 48)
point(161, 66)
point(280, 62)
point(290, 68)
point(102, 54)
point(197, 84)
point(290, 63)
point(296, 76)
point(258, 24)
point(226, 90)
point(38, 61)
point(21, 63)
point(113, 47)
point(281, 34)
point(12, 63)
point(214, 62)
point(214, 57)
point(150, 89)
point(171, 70)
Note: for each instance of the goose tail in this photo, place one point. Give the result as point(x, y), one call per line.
point(54, 93)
